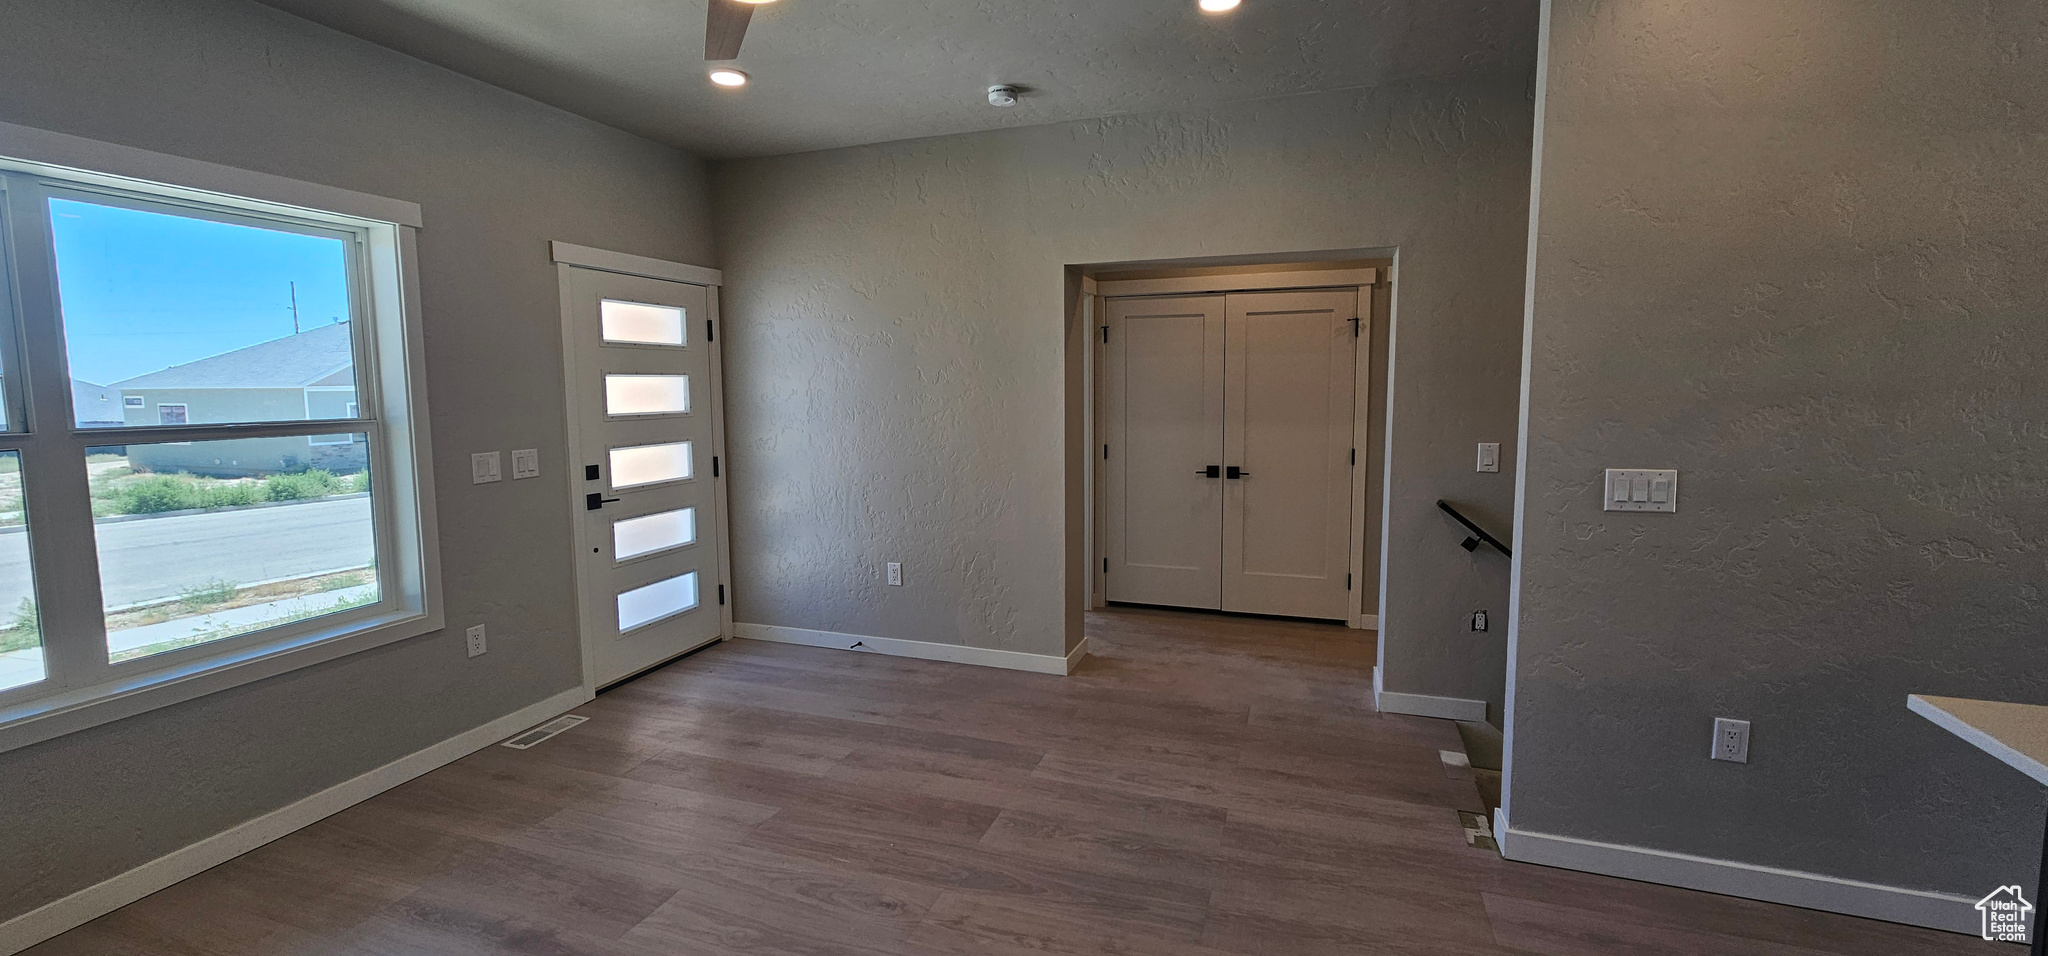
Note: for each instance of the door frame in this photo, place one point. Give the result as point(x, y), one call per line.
point(569, 256)
point(1366, 281)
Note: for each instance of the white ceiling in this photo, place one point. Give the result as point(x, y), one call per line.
point(833, 73)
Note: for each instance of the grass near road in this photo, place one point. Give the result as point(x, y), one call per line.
point(209, 634)
point(122, 491)
point(118, 489)
point(226, 596)
point(22, 630)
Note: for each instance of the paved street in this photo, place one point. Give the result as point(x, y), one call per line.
point(155, 558)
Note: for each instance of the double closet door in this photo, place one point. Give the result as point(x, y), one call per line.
point(1229, 427)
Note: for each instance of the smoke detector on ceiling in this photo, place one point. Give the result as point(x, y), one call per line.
point(1003, 95)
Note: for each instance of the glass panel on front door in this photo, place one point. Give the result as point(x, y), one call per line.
point(646, 395)
point(662, 599)
point(636, 323)
point(638, 465)
point(634, 537)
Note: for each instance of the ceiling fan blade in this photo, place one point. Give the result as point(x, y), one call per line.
point(724, 27)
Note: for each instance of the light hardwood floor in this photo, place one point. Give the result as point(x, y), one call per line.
point(1201, 785)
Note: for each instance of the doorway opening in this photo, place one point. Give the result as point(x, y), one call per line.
point(1232, 429)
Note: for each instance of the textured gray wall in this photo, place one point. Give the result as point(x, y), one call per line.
point(1794, 250)
point(895, 357)
point(497, 175)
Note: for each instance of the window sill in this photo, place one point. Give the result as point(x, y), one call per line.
point(34, 721)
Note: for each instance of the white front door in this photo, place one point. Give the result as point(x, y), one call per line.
point(640, 377)
point(1165, 432)
point(1291, 365)
point(1257, 387)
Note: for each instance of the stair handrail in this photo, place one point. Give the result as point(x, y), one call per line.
point(1472, 543)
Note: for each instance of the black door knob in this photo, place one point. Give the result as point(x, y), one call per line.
point(596, 500)
point(1236, 472)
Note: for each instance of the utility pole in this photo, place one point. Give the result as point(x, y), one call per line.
point(295, 308)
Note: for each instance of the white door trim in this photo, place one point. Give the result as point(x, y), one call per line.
point(1320, 279)
point(572, 463)
point(625, 263)
point(1361, 425)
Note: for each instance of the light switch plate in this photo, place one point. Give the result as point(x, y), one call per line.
point(483, 468)
point(525, 463)
point(1641, 489)
point(1489, 456)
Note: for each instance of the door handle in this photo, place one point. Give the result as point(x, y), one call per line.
point(1213, 471)
point(1236, 472)
point(596, 500)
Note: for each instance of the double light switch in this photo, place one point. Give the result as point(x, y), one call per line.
point(1642, 489)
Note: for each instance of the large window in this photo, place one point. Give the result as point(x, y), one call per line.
point(207, 450)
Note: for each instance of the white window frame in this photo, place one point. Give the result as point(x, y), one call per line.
point(81, 688)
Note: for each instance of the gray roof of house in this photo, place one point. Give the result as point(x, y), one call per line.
point(294, 361)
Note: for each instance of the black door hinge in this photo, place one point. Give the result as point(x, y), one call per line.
point(1354, 457)
point(1347, 583)
point(714, 466)
point(709, 334)
point(1105, 335)
point(1354, 326)
point(1105, 565)
point(721, 594)
point(1105, 452)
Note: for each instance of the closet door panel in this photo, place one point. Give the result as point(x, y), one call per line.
point(1289, 372)
point(1164, 365)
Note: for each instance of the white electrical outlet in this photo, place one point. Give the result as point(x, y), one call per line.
point(477, 646)
point(483, 468)
point(1641, 489)
point(1489, 456)
point(525, 463)
point(1731, 739)
point(895, 575)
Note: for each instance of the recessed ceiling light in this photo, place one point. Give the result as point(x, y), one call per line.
point(757, 1)
point(1218, 6)
point(726, 76)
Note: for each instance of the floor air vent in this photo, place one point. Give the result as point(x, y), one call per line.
point(544, 731)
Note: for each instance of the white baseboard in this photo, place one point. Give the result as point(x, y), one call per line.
point(923, 650)
point(1074, 656)
point(109, 895)
point(1424, 705)
point(1957, 914)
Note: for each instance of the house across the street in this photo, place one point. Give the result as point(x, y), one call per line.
point(95, 405)
point(307, 376)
